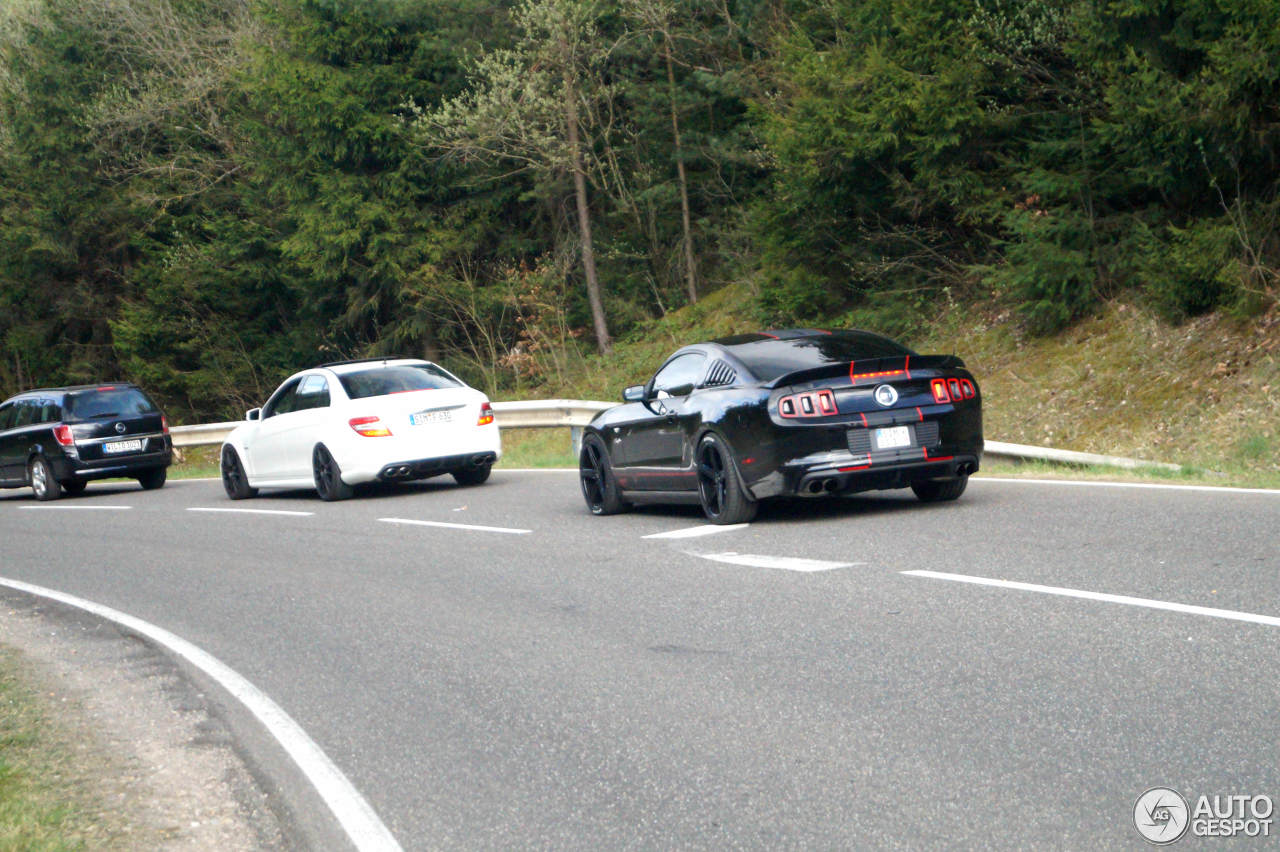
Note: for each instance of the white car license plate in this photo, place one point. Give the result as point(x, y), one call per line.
point(422, 418)
point(892, 436)
point(122, 447)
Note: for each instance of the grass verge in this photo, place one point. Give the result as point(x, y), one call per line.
point(43, 805)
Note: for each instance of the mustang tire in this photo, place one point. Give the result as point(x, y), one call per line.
point(724, 500)
point(930, 491)
point(599, 487)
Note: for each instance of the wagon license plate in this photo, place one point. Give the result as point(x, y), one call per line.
point(122, 447)
point(892, 436)
point(422, 418)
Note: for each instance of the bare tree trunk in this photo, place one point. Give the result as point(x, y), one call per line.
point(603, 341)
point(691, 275)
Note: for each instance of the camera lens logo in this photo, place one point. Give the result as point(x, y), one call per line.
point(1161, 815)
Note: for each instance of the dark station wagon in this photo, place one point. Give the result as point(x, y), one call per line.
point(57, 439)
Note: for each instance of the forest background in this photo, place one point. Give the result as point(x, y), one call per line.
point(205, 195)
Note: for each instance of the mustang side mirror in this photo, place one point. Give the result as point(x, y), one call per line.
point(635, 393)
point(253, 414)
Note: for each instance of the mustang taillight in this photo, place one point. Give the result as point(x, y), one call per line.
point(370, 427)
point(952, 390)
point(164, 425)
point(809, 404)
point(63, 435)
point(486, 414)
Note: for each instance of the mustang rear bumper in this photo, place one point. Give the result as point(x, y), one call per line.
point(843, 472)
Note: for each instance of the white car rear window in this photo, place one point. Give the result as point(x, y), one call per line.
point(379, 381)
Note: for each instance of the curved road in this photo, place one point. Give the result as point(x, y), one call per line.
point(515, 672)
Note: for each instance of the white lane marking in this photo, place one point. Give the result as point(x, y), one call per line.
point(475, 527)
point(352, 811)
point(1218, 489)
point(81, 508)
point(250, 511)
point(785, 563)
point(695, 532)
point(1231, 614)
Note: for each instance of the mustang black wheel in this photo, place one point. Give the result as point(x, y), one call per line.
point(153, 479)
point(43, 485)
point(724, 500)
point(328, 475)
point(930, 491)
point(234, 480)
point(599, 487)
point(74, 486)
point(472, 475)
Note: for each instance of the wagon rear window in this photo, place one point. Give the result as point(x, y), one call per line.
point(115, 402)
point(380, 381)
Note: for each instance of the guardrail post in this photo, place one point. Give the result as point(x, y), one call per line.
point(575, 439)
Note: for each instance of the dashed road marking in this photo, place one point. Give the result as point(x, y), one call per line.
point(475, 527)
point(250, 511)
point(1148, 603)
point(80, 508)
point(784, 563)
point(353, 812)
point(698, 531)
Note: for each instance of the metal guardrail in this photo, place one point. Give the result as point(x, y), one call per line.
point(524, 414)
point(1024, 452)
point(576, 413)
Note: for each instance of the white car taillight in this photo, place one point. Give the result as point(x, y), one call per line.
point(369, 427)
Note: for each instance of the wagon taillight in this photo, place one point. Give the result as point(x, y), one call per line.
point(486, 414)
point(63, 435)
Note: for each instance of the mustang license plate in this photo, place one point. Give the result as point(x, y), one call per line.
point(422, 418)
point(122, 447)
point(892, 436)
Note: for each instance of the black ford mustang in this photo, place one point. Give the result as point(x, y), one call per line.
point(800, 412)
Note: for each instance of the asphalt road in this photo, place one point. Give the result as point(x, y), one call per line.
point(581, 686)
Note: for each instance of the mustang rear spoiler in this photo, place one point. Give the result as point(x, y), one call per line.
point(891, 368)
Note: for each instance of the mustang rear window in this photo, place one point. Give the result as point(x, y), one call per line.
point(769, 359)
point(117, 402)
point(379, 381)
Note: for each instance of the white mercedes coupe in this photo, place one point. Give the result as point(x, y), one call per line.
point(376, 420)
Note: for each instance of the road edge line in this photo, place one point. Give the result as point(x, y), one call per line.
point(353, 812)
point(1103, 483)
